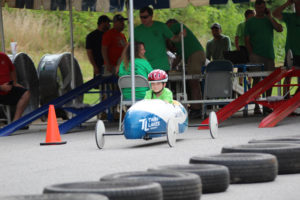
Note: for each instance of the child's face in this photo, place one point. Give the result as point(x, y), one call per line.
point(156, 87)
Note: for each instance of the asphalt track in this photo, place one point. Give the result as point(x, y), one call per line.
point(26, 167)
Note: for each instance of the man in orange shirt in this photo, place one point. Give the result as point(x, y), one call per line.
point(113, 43)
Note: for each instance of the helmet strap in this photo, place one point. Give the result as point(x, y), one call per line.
point(156, 93)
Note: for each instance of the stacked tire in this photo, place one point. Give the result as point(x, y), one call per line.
point(244, 167)
point(57, 197)
point(214, 178)
point(55, 77)
point(114, 190)
point(288, 155)
point(175, 185)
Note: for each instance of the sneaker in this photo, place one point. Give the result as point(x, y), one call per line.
point(193, 114)
point(257, 111)
point(267, 111)
point(25, 127)
point(116, 116)
point(102, 116)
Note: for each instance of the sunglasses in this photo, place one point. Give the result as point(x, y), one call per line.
point(144, 17)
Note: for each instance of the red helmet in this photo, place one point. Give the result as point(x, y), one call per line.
point(157, 75)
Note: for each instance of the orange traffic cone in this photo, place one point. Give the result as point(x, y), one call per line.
point(52, 135)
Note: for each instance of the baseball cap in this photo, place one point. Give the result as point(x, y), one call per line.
point(119, 17)
point(216, 25)
point(103, 18)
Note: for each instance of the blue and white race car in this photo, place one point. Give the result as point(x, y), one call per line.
point(149, 119)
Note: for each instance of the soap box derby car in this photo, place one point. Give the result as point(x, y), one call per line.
point(149, 119)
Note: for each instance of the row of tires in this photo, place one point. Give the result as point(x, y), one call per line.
point(50, 80)
point(258, 161)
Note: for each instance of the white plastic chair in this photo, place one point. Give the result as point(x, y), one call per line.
point(125, 82)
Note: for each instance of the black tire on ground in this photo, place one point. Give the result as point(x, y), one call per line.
point(244, 167)
point(214, 178)
point(57, 197)
point(288, 155)
point(27, 77)
point(275, 141)
point(175, 185)
point(134, 190)
point(287, 139)
point(55, 79)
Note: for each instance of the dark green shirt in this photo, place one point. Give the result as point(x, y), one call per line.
point(191, 43)
point(292, 22)
point(240, 32)
point(154, 38)
point(260, 31)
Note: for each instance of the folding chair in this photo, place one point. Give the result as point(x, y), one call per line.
point(125, 82)
point(218, 82)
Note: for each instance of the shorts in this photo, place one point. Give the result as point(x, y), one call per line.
point(12, 97)
point(269, 64)
point(195, 62)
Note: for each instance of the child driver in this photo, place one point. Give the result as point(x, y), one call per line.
point(158, 79)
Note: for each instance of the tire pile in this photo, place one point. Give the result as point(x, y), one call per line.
point(52, 68)
point(258, 161)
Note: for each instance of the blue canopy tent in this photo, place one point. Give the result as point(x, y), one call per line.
point(104, 6)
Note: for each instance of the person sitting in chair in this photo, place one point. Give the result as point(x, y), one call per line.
point(11, 93)
point(142, 67)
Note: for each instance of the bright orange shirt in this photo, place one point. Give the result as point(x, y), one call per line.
point(115, 43)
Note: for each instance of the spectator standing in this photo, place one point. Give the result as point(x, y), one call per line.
point(216, 46)
point(11, 93)
point(240, 34)
point(113, 44)
point(93, 44)
point(292, 21)
point(154, 34)
point(142, 67)
point(259, 42)
point(195, 59)
point(240, 40)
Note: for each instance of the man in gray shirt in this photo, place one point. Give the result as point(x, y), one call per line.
point(216, 46)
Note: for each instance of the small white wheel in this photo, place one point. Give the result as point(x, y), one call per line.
point(171, 132)
point(213, 125)
point(100, 130)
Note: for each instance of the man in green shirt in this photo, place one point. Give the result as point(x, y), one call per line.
point(195, 58)
point(240, 40)
point(259, 42)
point(216, 46)
point(292, 21)
point(240, 32)
point(154, 34)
